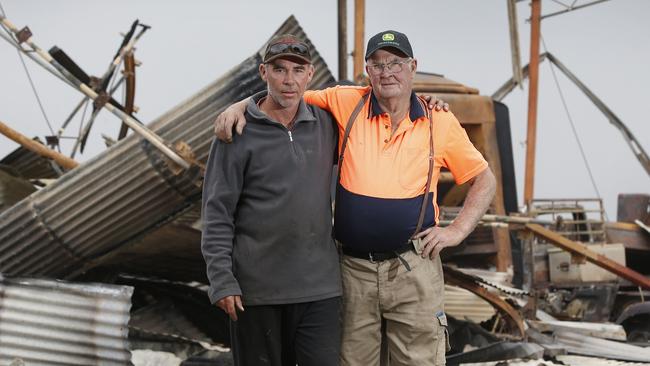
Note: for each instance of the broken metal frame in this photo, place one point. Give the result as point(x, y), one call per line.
point(462, 280)
point(579, 250)
point(81, 138)
point(569, 8)
point(143, 131)
point(582, 252)
point(124, 50)
point(631, 140)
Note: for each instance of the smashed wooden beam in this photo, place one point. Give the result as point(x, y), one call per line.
point(37, 147)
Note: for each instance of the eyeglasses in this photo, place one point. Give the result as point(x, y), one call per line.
point(295, 48)
point(392, 67)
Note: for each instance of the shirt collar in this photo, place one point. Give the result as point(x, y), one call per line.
point(415, 110)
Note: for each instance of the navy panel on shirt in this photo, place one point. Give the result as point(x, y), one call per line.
point(364, 223)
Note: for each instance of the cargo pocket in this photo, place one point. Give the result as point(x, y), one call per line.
point(444, 340)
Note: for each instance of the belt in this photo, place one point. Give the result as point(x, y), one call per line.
point(377, 256)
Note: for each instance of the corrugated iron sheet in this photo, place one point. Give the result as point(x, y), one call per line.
point(13, 189)
point(29, 164)
point(463, 304)
point(565, 360)
point(127, 191)
point(44, 322)
point(580, 344)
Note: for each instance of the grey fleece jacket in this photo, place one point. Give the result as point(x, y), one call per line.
point(267, 232)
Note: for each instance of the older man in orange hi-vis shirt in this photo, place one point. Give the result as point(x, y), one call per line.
point(391, 150)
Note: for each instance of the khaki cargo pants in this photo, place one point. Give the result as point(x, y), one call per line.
point(411, 302)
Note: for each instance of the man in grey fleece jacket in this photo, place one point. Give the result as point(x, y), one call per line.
point(267, 238)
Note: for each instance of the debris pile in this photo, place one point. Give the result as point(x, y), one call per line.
point(125, 227)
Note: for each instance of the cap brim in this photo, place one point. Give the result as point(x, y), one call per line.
point(291, 57)
point(370, 52)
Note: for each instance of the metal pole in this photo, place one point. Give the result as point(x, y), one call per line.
point(532, 103)
point(88, 91)
point(514, 42)
point(343, 39)
point(71, 116)
point(359, 25)
point(39, 149)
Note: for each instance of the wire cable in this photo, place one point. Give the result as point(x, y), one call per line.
point(33, 86)
point(573, 127)
point(81, 125)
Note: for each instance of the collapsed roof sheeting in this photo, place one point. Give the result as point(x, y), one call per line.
point(48, 322)
point(127, 191)
point(29, 164)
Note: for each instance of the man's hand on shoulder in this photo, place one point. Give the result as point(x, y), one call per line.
point(435, 239)
point(436, 104)
point(232, 116)
point(230, 304)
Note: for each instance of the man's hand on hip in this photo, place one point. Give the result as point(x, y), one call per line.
point(435, 239)
point(230, 304)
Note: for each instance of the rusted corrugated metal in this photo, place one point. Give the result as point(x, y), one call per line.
point(44, 322)
point(127, 191)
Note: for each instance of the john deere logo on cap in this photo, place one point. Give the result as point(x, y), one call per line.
point(388, 37)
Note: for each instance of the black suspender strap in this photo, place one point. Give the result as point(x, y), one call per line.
point(423, 209)
point(348, 128)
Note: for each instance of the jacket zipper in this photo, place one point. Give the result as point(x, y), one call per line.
point(292, 145)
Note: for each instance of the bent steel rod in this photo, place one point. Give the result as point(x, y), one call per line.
point(141, 130)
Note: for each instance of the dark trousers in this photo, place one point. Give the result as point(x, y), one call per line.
point(307, 334)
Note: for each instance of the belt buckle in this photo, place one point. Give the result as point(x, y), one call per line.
point(370, 258)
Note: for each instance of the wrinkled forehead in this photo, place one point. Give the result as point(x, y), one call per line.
point(387, 54)
point(288, 62)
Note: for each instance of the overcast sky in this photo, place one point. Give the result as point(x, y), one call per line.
point(191, 43)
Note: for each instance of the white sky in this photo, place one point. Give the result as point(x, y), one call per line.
point(192, 43)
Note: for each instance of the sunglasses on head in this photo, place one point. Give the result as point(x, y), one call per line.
point(295, 48)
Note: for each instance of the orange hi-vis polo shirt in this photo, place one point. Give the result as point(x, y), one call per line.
point(384, 174)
